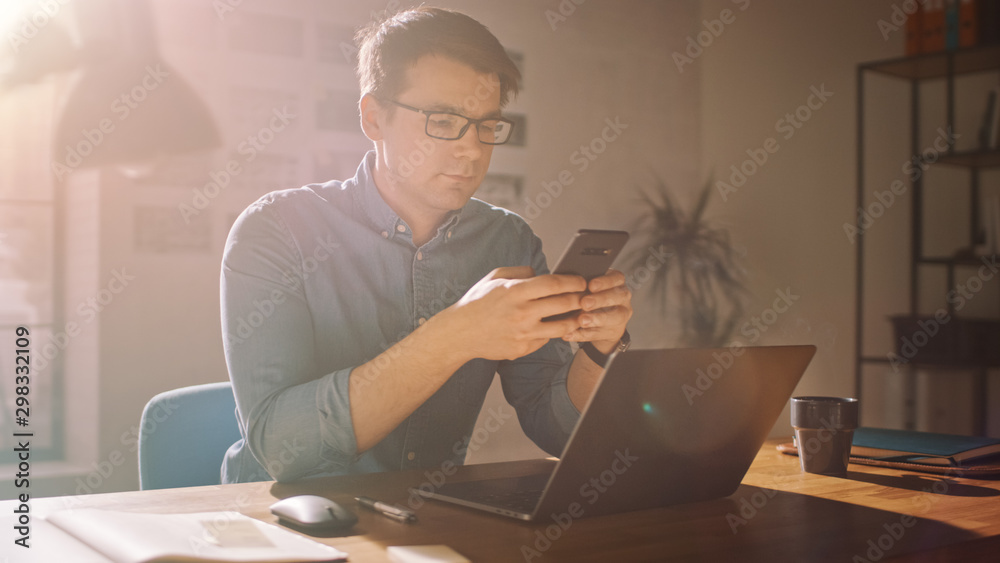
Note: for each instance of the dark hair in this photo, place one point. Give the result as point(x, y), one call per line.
point(391, 45)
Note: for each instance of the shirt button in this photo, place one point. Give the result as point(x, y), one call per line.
point(420, 255)
point(448, 235)
point(421, 321)
point(401, 228)
point(411, 456)
point(385, 234)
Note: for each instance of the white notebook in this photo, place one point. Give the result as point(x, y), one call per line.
point(102, 536)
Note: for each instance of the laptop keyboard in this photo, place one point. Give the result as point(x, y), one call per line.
point(517, 501)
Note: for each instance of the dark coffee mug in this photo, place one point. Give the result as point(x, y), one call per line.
point(824, 428)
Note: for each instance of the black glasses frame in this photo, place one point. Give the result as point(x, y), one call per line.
point(427, 123)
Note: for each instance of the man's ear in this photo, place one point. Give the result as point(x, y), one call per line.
point(372, 115)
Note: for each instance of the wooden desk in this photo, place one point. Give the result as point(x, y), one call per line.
point(778, 514)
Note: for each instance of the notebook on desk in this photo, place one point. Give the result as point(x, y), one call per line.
point(663, 427)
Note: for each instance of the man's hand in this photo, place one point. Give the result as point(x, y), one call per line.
point(606, 311)
point(500, 318)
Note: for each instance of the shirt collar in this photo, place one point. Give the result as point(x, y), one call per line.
point(382, 216)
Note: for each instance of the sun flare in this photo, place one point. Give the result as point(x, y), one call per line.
point(13, 13)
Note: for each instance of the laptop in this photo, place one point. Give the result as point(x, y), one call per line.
point(663, 427)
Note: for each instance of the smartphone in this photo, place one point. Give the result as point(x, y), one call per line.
point(589, 254)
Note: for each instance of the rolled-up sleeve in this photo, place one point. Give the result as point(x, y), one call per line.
point(536, 386)
point(294, 420)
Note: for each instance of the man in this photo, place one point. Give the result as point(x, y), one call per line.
point(365, 319)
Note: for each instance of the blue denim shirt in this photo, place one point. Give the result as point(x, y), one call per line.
point(321, 279)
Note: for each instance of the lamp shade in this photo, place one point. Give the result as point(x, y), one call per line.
point(129, 111)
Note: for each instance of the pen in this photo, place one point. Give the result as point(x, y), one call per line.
point(398, 514)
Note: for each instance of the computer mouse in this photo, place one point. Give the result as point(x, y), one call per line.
point(313, 513)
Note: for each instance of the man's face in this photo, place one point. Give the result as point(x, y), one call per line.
point(427, 175)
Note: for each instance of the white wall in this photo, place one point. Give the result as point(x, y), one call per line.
point(789, 214)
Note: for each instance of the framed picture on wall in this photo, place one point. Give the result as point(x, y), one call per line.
point(518, 58)
point(502, 190)
point(337, 110)
point(268, 171)
point(335, 44)
point(337, 164)
point(519, 137)
point(267, 34)
point(163, 229)
point(180, 171)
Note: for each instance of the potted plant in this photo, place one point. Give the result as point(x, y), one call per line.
point(694, 272)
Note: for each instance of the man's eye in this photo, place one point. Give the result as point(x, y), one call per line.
point(443, 121)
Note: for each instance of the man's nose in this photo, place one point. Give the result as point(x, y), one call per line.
point(468, 144)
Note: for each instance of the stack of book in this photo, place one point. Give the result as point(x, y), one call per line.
point(929, 452)
point(939, 25)
point(928, 448)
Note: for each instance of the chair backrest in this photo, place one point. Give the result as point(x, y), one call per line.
point(184, 434)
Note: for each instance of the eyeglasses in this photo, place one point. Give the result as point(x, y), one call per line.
point(452, 126)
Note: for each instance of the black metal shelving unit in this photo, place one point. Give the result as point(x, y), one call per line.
point(917, 69)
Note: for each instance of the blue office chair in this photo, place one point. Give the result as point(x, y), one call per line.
point(184, 434)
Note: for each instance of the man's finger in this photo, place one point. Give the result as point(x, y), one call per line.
point(558, 328)
point(512, 273)
point(552, 284)
point(612, 278)
point(557, 304)
point(587, 335)
point(609, 317)
point(614, 297)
